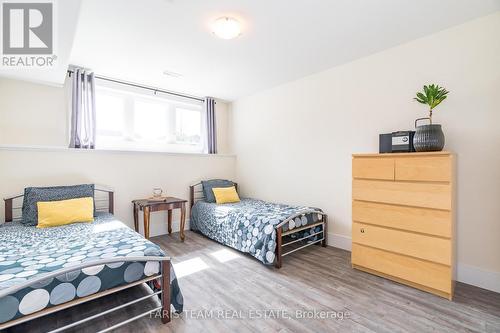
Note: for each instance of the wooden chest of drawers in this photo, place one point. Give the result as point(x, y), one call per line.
point(402, 218)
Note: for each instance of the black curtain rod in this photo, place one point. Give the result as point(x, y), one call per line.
point(136, 85)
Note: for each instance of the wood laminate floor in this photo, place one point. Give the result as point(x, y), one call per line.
point(225, 291)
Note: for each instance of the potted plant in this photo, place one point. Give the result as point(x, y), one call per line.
point(429, 137)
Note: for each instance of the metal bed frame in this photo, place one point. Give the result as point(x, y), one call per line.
point(107, 197)
point(196, 194)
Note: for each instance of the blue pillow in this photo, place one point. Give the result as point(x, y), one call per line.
point(208, 185)
point(32, 195)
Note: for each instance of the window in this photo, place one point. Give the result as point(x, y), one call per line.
point(187, 126)
point(140, 120)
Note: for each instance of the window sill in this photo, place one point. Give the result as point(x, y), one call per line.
point(99, 151)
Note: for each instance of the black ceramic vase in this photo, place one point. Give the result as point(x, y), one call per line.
point(428, 137)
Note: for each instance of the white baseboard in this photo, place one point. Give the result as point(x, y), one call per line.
point(339, 241)
point(158, 229)
point(478, 277)
point(475, 276)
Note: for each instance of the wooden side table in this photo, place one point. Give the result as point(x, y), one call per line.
point(148, 206)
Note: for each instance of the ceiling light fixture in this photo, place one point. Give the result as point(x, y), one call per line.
point(226, 28)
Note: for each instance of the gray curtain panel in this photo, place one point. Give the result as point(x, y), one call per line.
point(83, 115)
point(211, 125)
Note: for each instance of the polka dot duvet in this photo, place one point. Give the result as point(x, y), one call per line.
point(250, 225)
point(27, 254)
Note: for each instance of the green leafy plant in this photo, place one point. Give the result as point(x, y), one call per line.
point(432, 95)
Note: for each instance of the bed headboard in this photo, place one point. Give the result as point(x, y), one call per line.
point(104, 202)
point(196, 193)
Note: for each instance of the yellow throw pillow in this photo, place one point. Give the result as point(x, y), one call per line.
point(225, 194)
point(56, 213)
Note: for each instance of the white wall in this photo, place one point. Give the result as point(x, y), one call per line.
point(223, 119)
point(294, 142)
point(32, 114)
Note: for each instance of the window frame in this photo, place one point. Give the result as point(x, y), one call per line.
point(126, 140)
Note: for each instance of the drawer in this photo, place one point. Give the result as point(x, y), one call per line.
point(373, 168)
point(420, 272)
point(425, 195)
point(423, 220)
point(416, 245)
point(438, 169)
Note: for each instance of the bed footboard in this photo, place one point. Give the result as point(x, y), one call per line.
point(164, 293)
point(280, 234)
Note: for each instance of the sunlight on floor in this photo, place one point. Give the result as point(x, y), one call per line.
point(189, 267)
point(225, 255)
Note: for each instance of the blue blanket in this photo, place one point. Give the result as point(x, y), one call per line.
point(250, 225)
point(27, 254)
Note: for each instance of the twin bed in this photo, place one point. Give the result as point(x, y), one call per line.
point(265, 230)
point(46, 270)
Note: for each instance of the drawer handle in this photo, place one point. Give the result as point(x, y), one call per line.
point(362, 230)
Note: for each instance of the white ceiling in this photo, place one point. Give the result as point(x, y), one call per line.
point(282, 40)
